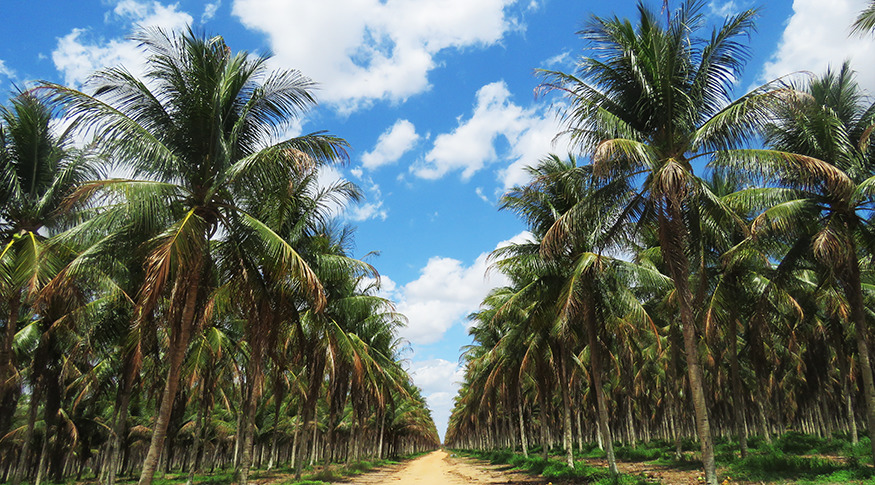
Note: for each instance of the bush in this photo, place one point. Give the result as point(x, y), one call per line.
point(776, 466)
point(640, 453)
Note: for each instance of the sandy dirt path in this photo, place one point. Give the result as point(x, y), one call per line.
point(439, 468)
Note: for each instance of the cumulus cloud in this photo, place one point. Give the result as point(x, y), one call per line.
point(446, 291)
point(391, 145)
point(210, 10)
point(563, 58)
point(470, 147)
point(366, 211)
point(367, 50)
point(724, 9)
point(78, 54)
point(372, 208)
point(439, 380)
point(6, 71)
point(817, 36)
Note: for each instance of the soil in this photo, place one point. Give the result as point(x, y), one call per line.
point(441, 468)
point(657, 473)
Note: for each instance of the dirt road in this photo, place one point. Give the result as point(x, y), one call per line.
point(439, 468)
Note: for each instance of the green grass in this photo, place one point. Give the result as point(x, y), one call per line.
point(324, 476)
point(552, 468)
point(791, 458)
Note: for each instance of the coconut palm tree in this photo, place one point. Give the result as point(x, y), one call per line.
point(651, 99)
point(197, 131)
point(39, 169)
point(865, 22)
point(824, 196)
point(557, 188)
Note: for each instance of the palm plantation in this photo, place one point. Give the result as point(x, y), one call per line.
point(697, 279)
point(652, 108)
point(176, 259)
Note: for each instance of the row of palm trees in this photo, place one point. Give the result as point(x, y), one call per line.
point(201, 310)
point(649, 297)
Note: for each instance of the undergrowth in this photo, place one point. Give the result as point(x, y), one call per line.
point(553, 468)
point(790, 458)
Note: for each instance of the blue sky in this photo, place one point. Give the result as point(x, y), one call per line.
point(436, 98)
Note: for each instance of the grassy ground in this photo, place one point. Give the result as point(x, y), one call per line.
point(553, 468)
point(319, 475)
point(791, 458)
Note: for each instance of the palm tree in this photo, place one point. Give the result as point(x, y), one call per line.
point(825, 194)
point(652, 99)
point(38, 169)
point(865, 22)
point(595, 287)
point(198, 132)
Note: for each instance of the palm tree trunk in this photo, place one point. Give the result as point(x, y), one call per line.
point(737, 393)
point(519, 404)
point(297, 434)
point(43, 458)
point(382, 431)
point(317, 368)
point(601, 402)
point(542, 400)
point(672, 235)
point(9, 388)
point(566, 421)
point(854, 294)
point(121, 417)
point(180, 335)
point(24, 457)
point(202, 421)
point(566, 405)
point(36, 397)
point(844, 373)
point(256, 384)
point(277, 406)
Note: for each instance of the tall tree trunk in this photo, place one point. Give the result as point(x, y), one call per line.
point(202, 422)
point(854, 294)
point(38, 384)
point(277, 406)
point(519, 404)
point(120, 425)
point(673, 240)
point(566, 405)
point(179, 337)
point(317, 369)
point(542, 400)
point(9, 387)
point(845, 375)
point(382, 431)
point(737, 392)
point(257, 330)
point(601, 402)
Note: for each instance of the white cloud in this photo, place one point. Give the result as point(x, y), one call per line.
point(391, 145)
point(77, 55)
point(361, 51)
point(471, 146)
point(330, 175)
point(210, 10)
point(6, 71)
point(383, 287)
point(364, 212)
point(724, 8)
point(439, 380)
point(817, 36)
point(444, 294)
point(563, 58)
